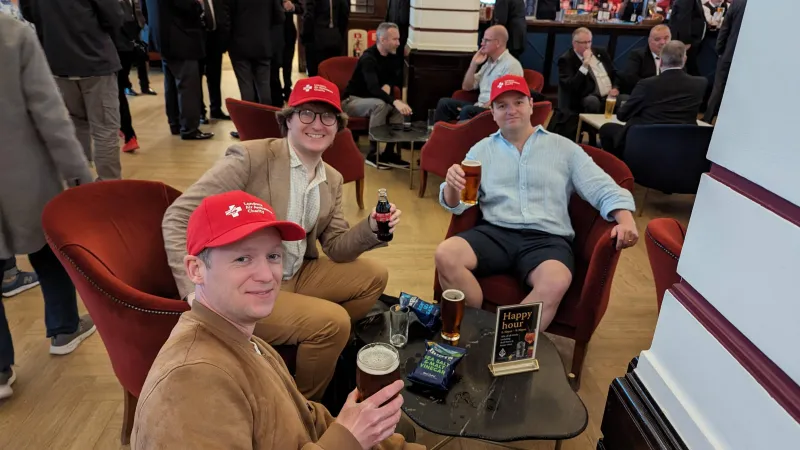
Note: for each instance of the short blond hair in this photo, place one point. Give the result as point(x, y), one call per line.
point(283, 116)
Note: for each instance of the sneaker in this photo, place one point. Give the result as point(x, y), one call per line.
point(370, 161)
point(21, 282)
point(394, 160)
point(64, 344)
point(130, 92)
point(7, 378)
point(131, 145)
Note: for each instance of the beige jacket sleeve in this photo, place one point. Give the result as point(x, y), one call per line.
point(228, 174)
point(342, 243)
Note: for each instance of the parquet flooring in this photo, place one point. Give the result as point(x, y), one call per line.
point(75, 401)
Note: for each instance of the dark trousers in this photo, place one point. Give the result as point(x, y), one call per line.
point(183, 95)
point(286, 65)
point(60, 301)
point(8, 264)
point(142, 67)
point(448, 109)
point(211, 67)
point(316, 53)
point(275, 85)
point(692, 67)
point(125, 120)
point(253, 77)
point(612, 139)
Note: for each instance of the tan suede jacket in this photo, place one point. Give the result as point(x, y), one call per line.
point(210, 389)
point(261, 168)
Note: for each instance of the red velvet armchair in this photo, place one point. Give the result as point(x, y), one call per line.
point(534, 79)
point(596, 260)
point(253, 120)
point(339, 70)
point(449, 142)
point(664, 240)
point(108, 237)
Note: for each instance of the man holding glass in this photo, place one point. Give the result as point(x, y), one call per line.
point(527, 178)
point(216, 385)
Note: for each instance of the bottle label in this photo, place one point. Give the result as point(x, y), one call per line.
point(383, 217)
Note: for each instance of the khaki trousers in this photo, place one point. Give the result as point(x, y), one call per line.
point(314, 311)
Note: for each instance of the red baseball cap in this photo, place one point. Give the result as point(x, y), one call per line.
point(509, 83)
point(315, 89)
point(225, 218)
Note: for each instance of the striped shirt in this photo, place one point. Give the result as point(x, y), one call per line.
point(303, 210)
point(531, 190)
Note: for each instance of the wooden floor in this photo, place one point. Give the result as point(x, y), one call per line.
point(75, 401)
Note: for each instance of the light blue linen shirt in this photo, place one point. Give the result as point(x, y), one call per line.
point(531, 190)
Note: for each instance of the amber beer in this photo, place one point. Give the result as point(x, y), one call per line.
point(472, 172)
point(611, 102)
point(378, 366)
point(452, 314)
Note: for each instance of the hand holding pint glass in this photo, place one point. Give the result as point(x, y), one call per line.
point(378, 365)
point(452, 314)
point(465, 179)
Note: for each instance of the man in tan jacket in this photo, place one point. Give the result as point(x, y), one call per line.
point(216, 385)
point(320, 296)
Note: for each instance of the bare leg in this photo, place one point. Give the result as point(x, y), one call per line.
point(455, 261)
point(550, 281)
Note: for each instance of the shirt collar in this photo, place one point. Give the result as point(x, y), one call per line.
point(294, 162)
point(502, 56)
point(655, 56)
point(537, 130)
point(666, 69)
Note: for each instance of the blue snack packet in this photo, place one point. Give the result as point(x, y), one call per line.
point(427, 313)
point(437, 366)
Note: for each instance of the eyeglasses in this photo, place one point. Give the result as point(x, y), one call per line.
point(583, 42)
point(485, 40)
point(308, 117)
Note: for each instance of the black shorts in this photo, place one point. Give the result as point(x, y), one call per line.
point(503, 250)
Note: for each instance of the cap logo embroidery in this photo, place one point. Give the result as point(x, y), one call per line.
point(256, 208)
point(233, 211)
point(307, 88)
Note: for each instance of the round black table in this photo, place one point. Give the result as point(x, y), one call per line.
point(537, 405)
point(390, 133)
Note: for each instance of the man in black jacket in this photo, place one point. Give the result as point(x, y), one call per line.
point(726, 45)
point(324, 31)
point(688, 25)
point(217, 37)
point(78, 40)
point(283, 54)
point(674, 97)
point(511, 14)
point(399, 13)
point(177, 33)
point(644, 62)
point(252, 26)
point(369, 92)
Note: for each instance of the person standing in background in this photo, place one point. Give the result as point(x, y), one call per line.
point(176, 31)
point(726, 45)
point(713, 19)
point(398, 12)
point(77, 37)
point(218, 26)
point(129, 50)
point(324, 31)
point(283, 55)
point(143, 58)
point(511, 14)
point(547, 9)
point(688, 25)
point(251, 46)
point(38, 155)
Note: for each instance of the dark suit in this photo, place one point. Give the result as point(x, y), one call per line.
point(177, 33)
point(324, 31)
point(674, 97)
point(688, 25)
point(577, 92)
point(398, 12)
point(511, 14)
point(640, 65)
point(284, 56)
point(726, 45)
point(548, 9)
point(216, 44)
point(252, 34)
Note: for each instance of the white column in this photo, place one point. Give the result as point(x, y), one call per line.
point(444, 25)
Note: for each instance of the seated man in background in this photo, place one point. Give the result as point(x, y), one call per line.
point(674, 97)
point(586, 77)
point(216, 385)
point(290, 173)
point(528, 176)
point(370, 90)
point(645, 62)
point(497, 62)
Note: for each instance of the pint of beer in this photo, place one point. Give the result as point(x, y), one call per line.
point(611, 102)
point(452, 313)
point(378, 365)
point(472, 172)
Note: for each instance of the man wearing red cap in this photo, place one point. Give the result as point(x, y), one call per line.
point(528, 176)
point(216, 385)
point(320, 296)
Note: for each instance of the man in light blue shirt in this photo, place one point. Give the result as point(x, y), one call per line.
point(528, 176)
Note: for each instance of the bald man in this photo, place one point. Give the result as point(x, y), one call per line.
point(645, 62)
point(497, 61)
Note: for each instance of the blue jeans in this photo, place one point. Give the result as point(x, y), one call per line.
point(448, 109)
point(60, 301)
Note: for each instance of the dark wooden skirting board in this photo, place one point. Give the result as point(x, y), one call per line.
point(633, 421)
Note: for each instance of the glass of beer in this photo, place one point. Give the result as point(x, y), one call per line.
point(378, 365)
point(611, 102)
point(452, 313)
point(472, 172)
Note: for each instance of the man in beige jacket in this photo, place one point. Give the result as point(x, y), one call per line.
point(320, 296)
point(216, 385)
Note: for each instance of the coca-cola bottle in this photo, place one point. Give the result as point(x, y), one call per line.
point(383, 215)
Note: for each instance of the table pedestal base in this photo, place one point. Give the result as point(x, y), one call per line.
point(449, 439)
